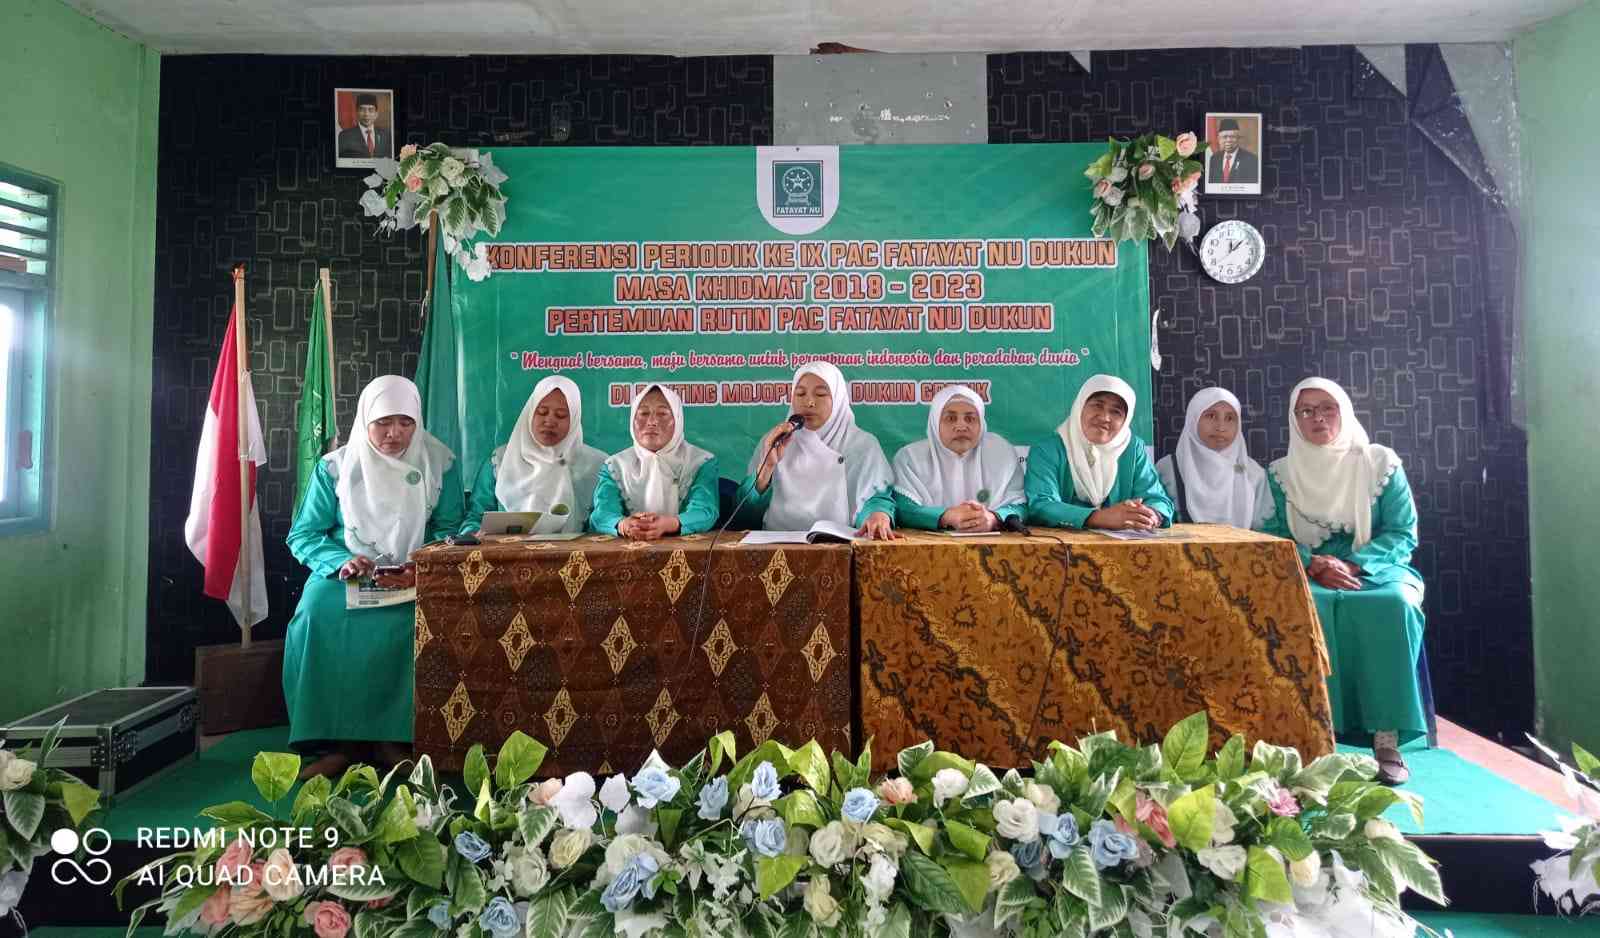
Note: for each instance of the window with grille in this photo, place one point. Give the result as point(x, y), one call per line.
point(29, 209)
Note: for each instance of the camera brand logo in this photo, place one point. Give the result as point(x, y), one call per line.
point(66, 870)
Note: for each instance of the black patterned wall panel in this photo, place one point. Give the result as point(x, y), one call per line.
point(1386, 271)
point(246, 174)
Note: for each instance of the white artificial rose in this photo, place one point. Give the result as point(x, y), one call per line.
point(16, 773)
point(878, 881)
point(831, 845)
point(452, 168)
point(614, 793)
point(1017, 819)
point(881, 839)
point(1304, 871)
point(1222, 824)
point(281, 880)
point(1224, 862)
point(748, 807)
point(947, 784)
point(529, 872)
point(1379, 829)
point(1002, 869)
point(624, 847)
point(819, 902)
point(567, 846)
point(1043, 797)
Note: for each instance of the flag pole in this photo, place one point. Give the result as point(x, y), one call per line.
point(241, 361)
point(327, 325)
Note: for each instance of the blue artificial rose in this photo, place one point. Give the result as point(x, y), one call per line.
point(654, 786)
point(439, 915)
point(634, 877)
point(713, 798)
point(471, 846)
point(1109, 846)
point(766, 837)
point(500, 919)
point(1060, 833)
point(764, 784)
point(1027, 853)
point(859, 804)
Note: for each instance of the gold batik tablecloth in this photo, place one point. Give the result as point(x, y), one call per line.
point(591, 647)
point(957, 634)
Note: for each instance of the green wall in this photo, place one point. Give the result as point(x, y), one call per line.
point(80, 108)
point(1561, 308)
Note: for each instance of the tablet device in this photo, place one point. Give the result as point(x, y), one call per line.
point(508, 522)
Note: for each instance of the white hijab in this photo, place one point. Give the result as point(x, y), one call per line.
point(1332, 488)
point(655, 482)
point(1094, 466)
point(933, 475)
point(555, 481)
point(1219, 488)
point(386, 500)
point(829, 473)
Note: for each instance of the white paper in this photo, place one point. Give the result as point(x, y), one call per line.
point(834, 529)
point(971, 533)
point(1133, 535)
point(365, 594)
point(775, 537)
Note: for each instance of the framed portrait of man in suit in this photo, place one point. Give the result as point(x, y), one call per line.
point(363, 127)
point(1233, 160)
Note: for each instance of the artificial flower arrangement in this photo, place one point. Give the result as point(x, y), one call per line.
point(1572, 877)
point(462, 186)
point(1103, 838)
point(35, 803)
point(1147, 188)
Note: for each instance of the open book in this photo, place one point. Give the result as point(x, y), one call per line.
point(823, 532)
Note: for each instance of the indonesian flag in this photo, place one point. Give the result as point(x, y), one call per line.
point(212, 528)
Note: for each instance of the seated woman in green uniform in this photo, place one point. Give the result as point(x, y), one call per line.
point(661, 485)
point(827, 470)
point(1209, 475)
point(347, 673)
point(1094, 473)
point(544, 466)
point(1345, 501)
point(962, 477)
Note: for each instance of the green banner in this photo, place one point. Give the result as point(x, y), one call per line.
point(721, 270)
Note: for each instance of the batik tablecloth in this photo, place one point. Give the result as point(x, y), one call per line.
point(592, 646)
point(991, 646)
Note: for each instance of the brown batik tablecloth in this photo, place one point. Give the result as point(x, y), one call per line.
point(957, 635)
point(591, 647)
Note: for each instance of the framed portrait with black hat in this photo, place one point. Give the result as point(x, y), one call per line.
point(363, 127)
point(1233, 159)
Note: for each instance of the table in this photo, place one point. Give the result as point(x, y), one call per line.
point(591, 647)
point(957, 635)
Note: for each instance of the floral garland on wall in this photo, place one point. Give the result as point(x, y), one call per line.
point(1103, 838)
point(1148, 188)
point(462, 186)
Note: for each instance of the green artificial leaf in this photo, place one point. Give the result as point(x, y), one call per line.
point(1113, 908)
point(465, 885)
point(1265, 877)
point(1192, 816)
point(365, 891)
point(971, 877)
point(313, 795)
point(604, 926)
point(191, 899)
point(416, 928)
point(1079, 876)
point(811, 764)
point(231, 815)
point(1243, 922)
point(1587, 763)
point(761, 922)
point(1332, 826)
point(398, 822)
point(1413, 802)
point(1286, 834)
point(483, 810)
point(913, 756)
point(769, 751)
point(79, 799)
point(898, 922)
point(863, 765)
point(535, 824)
point(798, 926)
point(547, 914)
point(364, 777)
point(973, 843)
point(1125, 799)
point(475, 770)
point(800, 807)
point(274, 773)
point(669, 819)
point(348, 819)
point(923, 837)
point(774, 873)
point(1279, 762)
point(520, 756)
point(1012, 898)
point(1166, 147)
point(24, 810)
point(930, 885)
point(722, 744)
point(1319, 777)
point(983, 782)
point(422, 859)
point(1411, 865)
point(1376, 800)
point(1099, 793)
point(422, 777)
point(1380, 876)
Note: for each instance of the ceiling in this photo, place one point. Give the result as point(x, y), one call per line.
point(717, 27)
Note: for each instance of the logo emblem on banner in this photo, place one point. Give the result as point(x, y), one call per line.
point(797, 188)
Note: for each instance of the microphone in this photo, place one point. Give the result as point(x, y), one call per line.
point(1013, 523)
point(795, 422)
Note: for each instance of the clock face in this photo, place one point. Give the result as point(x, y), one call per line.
point(1232, 252)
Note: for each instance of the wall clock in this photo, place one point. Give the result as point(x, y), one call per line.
point(1232, 251)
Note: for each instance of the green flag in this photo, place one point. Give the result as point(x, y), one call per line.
point(438, 370)
point(317, 424)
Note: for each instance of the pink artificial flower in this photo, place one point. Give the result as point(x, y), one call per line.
point(215, 909)
point(347, 857)
point(1186, 143)
point(896, 791)
point(410, 149)
point(234, 859)
point(248, 906)
point(545, 791)
point(250, 881)
point(1146, 170)
point(1282, 803)
point(1152, 815)
point(328, 919)
point(414, 182)
point(1147, 856)
point(1101, 188)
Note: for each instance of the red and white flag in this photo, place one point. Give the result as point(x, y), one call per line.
point(212, 529)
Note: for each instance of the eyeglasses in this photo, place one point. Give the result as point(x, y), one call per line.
point(1326, 412)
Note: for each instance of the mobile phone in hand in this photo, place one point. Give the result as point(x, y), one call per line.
point(398, 569)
